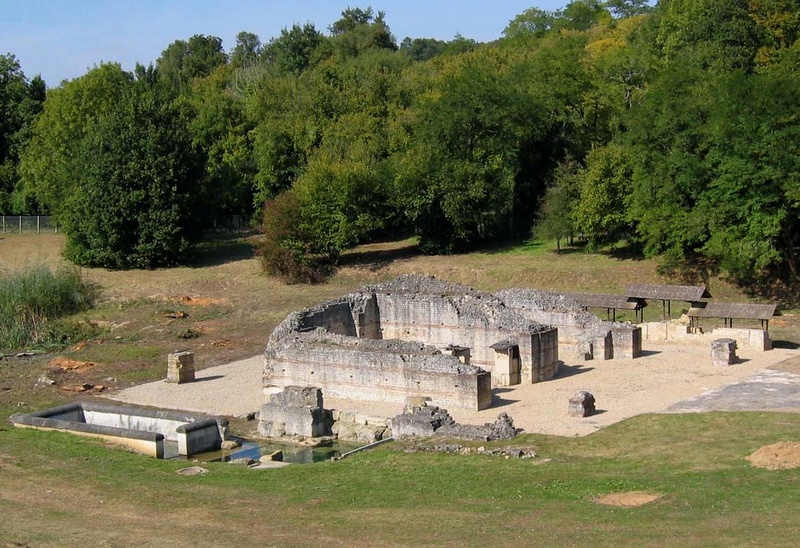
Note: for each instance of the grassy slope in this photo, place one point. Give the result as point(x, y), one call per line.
point(61, 491)
point(57, 490)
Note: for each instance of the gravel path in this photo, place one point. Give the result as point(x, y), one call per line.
point(668, 373)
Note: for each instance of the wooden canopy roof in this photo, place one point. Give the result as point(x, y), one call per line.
point(688, 293)
point(603, 300)
point(743, 311)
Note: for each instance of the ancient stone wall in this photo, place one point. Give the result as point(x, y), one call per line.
point(752, 339)
point(375, 370)
point(581, 334)
point(385, 343)
point(420, 308)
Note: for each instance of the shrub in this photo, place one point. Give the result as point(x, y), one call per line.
point(286, 249)
point(31, 298)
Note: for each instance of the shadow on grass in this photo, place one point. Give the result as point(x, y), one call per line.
point(223, 248)
point(376, 259)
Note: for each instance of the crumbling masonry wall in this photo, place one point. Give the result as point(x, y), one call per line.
point(420, 308)
point(384, 344)
point(580, 333)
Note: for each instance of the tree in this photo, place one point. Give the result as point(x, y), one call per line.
point(134, 199)
point(457, 180)
point(20, 102)
point(601, 210)
point(292, 52)
point(247, 50)
point(48, 168)
point(185, 60)
point(556, 216)
point(628, 8)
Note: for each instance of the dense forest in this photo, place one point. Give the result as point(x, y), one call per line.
point(674, 128)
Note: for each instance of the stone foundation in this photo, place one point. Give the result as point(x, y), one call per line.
point(415, 336)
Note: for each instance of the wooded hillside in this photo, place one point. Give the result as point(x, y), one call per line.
point(674, 128)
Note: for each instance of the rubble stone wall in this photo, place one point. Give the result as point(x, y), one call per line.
point(372, 370)
point(579, 332)
point(384, 344)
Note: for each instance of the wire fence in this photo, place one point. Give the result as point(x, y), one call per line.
point(18, 224)
point(44, 224)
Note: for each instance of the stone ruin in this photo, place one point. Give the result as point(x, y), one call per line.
point(723, 352)
point(430, 421)
point(414, 336)
point(581, 334)
point(582, 404)
point(417, 336)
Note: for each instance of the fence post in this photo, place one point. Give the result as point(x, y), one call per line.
point(20, 224)
point(37, 225)
point(4, 224)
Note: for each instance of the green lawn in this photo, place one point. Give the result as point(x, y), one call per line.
point(59, 490)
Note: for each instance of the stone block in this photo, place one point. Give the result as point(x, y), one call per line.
point(298, 396)
point(581, 404)
point(723, 352)
point(180, 367)
point(627, 342)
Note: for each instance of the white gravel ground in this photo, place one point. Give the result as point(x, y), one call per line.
point(666, 374)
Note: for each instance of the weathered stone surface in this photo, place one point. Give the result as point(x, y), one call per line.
point(276, 456)
point(384, 344)
point(247, 461)
point(501, 429)
point(582, 404)
point(421, 422)
point(296, 411)
point(180, 367)
point(723, 352)
point(227, 445)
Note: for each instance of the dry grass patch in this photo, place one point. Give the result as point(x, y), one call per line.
point(630, 499)
point(778, 456)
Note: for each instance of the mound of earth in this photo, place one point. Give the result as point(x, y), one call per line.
point(778, 456)
point(629, 499)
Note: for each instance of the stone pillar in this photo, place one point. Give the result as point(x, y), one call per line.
point(460, 352)
point(180, 367)
point(581, 404)
point(723, 352)
point(627, 342)
point(506, 364)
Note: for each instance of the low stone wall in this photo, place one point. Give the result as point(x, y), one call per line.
point(372, 370)
point(351, 426)
point(143, 429)
point(581, 335)
point(752, 339)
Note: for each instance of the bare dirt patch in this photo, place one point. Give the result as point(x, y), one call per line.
point(67, 364)
point(630, 499)
point(778, 456)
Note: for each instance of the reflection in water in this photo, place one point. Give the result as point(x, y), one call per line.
point(255, 449)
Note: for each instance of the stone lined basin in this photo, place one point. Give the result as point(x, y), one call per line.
point(145, 430)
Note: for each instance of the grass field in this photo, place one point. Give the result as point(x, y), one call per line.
point(56, 490)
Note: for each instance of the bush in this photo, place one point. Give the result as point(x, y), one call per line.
point(286, 249)
point(30, 299)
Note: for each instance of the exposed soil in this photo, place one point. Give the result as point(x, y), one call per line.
point(630, 499)
point(778, 456)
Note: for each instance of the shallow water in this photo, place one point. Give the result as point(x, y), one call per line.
point(254, 449)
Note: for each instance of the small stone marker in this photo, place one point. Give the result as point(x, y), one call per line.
point(581, 404)
point(723, 352)
point(180, 367)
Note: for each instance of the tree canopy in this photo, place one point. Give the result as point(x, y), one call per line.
point(671, 126)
